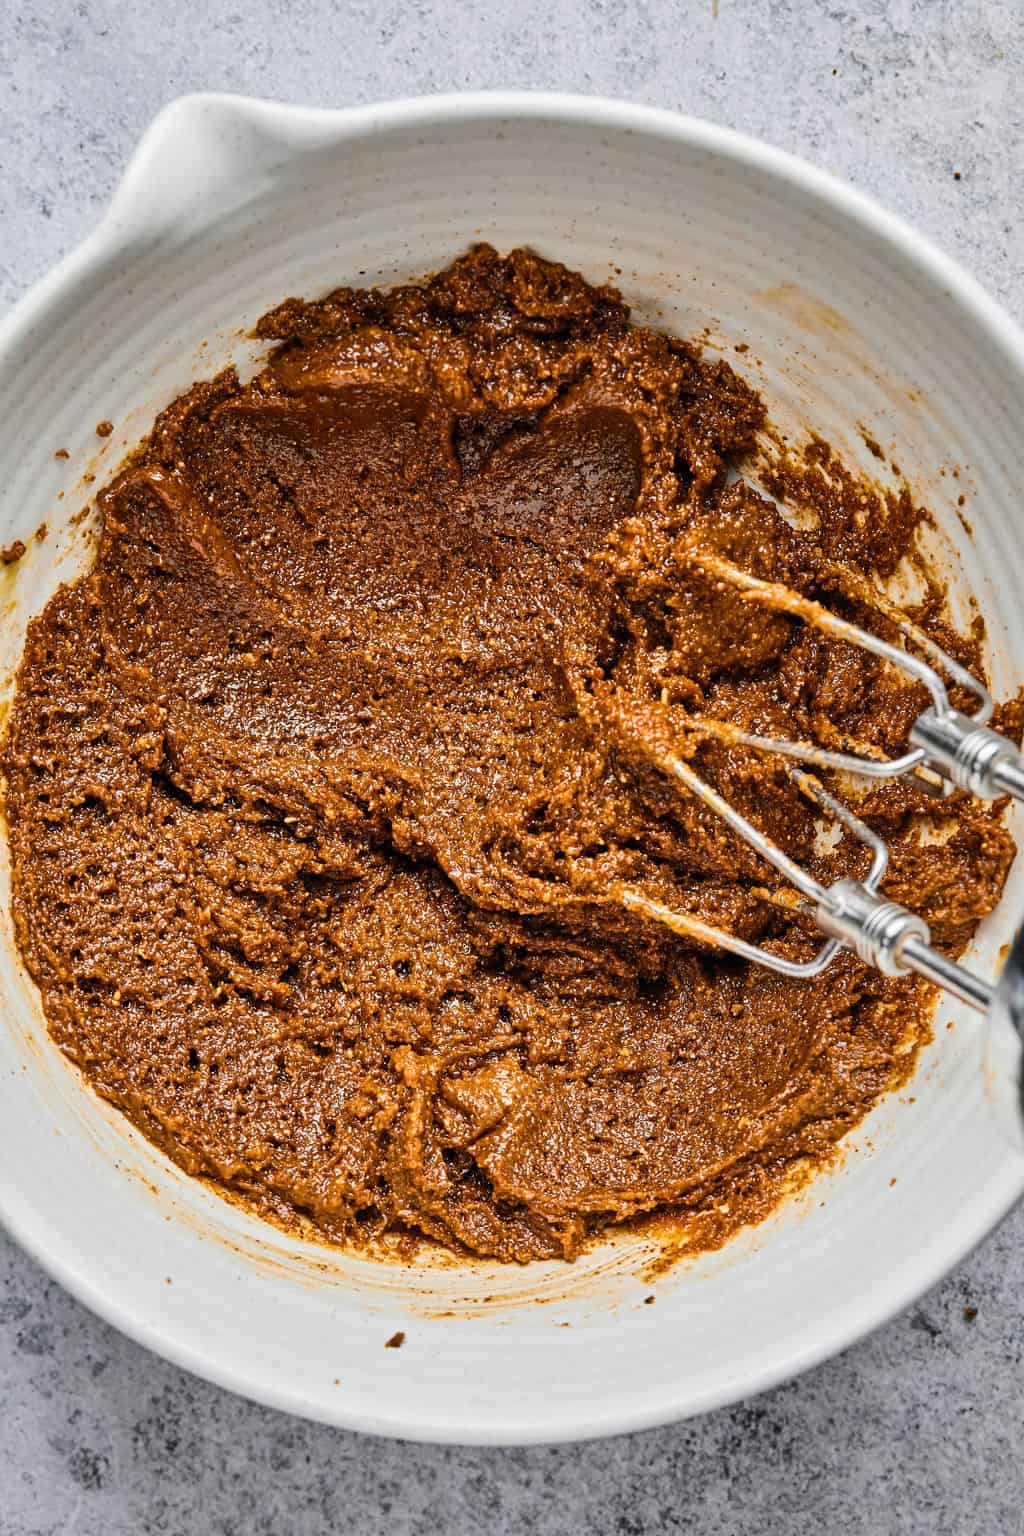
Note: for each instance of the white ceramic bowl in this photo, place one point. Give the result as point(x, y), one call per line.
point(229, 205)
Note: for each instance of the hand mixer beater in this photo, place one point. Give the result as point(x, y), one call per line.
point(947, 749)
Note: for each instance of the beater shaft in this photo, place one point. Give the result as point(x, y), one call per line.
point(969, 755)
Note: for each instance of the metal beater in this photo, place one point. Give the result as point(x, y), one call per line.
point(946, 749)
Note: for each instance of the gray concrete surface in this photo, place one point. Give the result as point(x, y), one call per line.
point(917, 1429)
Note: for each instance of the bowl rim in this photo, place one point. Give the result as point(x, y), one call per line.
point(292, 126)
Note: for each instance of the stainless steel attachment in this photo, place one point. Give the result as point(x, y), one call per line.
point(958, 750)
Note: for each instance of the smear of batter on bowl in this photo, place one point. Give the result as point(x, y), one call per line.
point(321, 783)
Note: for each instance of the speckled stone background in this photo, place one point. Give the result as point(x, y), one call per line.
point(919, 1428)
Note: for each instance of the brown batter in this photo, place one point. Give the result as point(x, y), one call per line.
point(323, 782)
